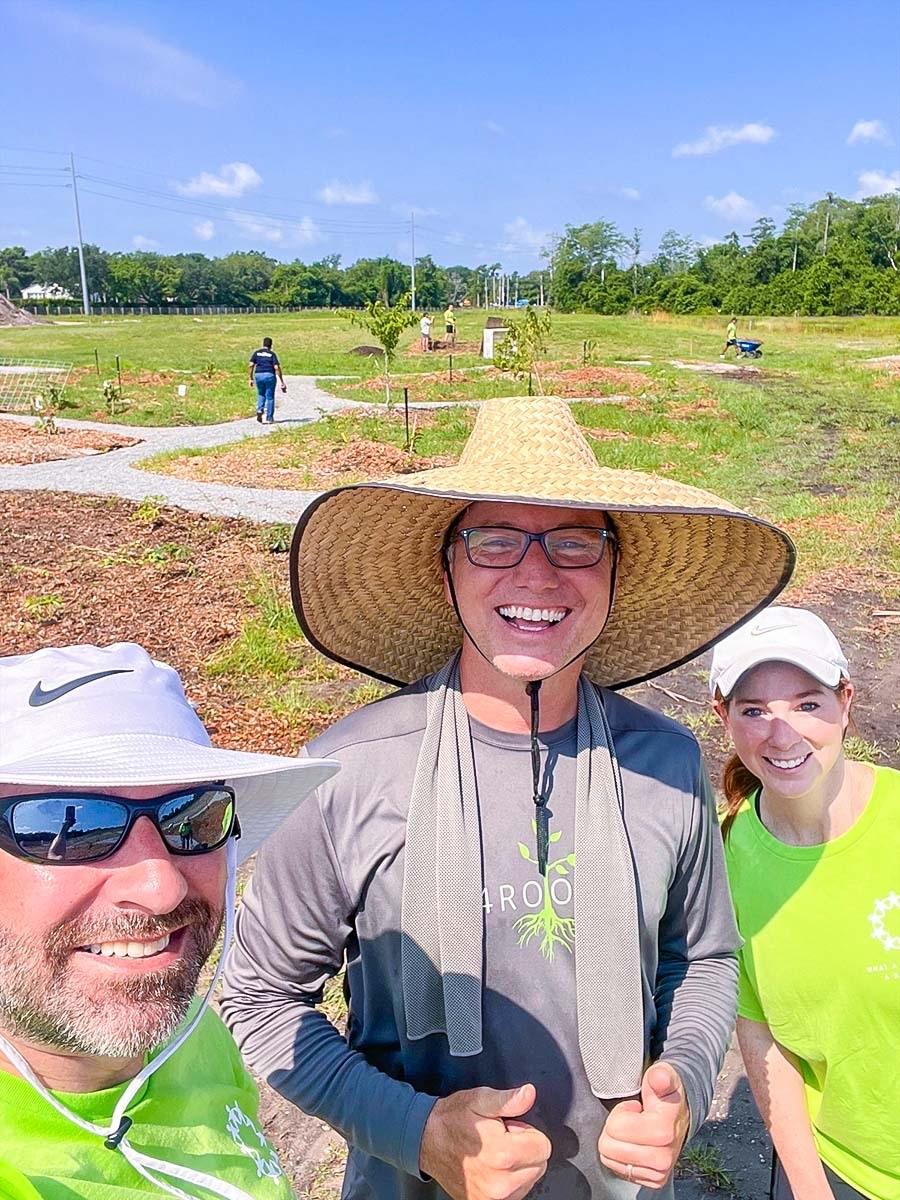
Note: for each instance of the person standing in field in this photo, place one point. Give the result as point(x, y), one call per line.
point(425, 331)
point(506, 817)
point(730, 335)
point(450, 325)
point(264, 366)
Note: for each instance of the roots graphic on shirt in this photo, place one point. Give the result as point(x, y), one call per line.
point(552, 929)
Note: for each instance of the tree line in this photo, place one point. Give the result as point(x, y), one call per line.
point(834, 257)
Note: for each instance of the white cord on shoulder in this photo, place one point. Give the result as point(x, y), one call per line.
point(115, 1136)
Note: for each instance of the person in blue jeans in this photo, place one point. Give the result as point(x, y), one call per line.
point(264, 366)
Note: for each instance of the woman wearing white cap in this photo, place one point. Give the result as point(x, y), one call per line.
point(813, 851)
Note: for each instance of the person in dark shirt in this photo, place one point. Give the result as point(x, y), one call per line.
point(264, 365)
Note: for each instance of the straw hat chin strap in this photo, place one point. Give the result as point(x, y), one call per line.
point(115, 1135)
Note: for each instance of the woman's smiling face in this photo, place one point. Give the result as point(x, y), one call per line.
point(787, 727)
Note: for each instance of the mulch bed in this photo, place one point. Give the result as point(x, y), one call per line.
point(22, 444)
point(99, 562)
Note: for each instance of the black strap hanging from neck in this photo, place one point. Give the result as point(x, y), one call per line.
point(541, 815)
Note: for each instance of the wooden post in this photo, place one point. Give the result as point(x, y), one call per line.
point(406, 414)
point(529, 383)
point(451, 368)
point(119, 372)
point(97, 361)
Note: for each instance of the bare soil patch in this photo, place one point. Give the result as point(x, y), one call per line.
point(414, 350)
point(21, 445)
point(732, 370)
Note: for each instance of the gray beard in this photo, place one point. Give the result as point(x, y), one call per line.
point(42, 1004)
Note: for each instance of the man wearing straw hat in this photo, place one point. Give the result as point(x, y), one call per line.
point(114, 1080)
point(520, 867)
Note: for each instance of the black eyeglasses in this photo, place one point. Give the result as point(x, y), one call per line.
point(569, 547)
point(68, 827)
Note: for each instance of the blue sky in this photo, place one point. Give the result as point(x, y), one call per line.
point(305, 129)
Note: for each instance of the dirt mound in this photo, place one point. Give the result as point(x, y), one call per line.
point(371, 460)
point(11, 315)
point(367, 351)
point(22, 444)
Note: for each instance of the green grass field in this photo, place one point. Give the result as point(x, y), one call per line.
point(812, 441)
point(158, 353)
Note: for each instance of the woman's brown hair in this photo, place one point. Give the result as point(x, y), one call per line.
point(738, 782)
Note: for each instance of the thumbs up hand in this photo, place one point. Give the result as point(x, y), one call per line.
point(642, 1139)
point(476, 1147)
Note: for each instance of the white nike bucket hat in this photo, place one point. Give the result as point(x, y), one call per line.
point(107, 717)
point(779, 634)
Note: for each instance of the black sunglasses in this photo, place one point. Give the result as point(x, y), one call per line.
point(68, 827)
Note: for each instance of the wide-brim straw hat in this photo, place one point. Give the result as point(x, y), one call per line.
point(366, 570)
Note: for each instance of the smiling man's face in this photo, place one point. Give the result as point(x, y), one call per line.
point(103, 959)
point(531, 619)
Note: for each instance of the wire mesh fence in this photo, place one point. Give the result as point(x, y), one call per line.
point(30, 384)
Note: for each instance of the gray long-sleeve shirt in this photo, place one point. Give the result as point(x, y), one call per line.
point(328, 888)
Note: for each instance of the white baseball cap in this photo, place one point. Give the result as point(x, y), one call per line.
point(779, 634)
point(107, 717)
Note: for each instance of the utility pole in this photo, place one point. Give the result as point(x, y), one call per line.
point(85, 295)
point(412, 236)
point(830, 196)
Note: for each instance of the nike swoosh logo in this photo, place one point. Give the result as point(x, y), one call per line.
point(760, 629)
point(39, 696)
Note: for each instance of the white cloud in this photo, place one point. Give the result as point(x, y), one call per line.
point(869, 131)
point(629, 193)
point(140, 242)
point(731, 206)
point(233, 179)
point(521, 237)
point(720, 137)
point(204, 230)
point(495, 128)
point(877, 183)
point(128, 55)
point(275, 231)
point(347, 193)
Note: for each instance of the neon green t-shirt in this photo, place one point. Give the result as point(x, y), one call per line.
point(821, 967)
point(731, 331)
point(198, 1110)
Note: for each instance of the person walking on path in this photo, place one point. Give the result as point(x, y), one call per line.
point(425, 331)
point(813, 854)
point(116, 1079)
point(264, 366)
point(521, 867)
point(450, 325)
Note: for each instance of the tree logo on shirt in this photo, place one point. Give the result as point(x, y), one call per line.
point(547, 924)
point(250, 1140)
point(879, 918)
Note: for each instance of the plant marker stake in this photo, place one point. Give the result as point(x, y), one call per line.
point(451, 368)
point(97, 361)
point(584, 354)
point(529, 383)
point(119, 371)
point(406, 413)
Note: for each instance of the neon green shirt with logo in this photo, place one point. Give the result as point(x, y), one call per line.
point(821, 967)
point(198, 1110)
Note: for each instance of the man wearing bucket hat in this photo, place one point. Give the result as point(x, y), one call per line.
point(114, 1080)
point(520, 866)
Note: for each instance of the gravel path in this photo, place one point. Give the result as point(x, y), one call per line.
point(113, 473)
